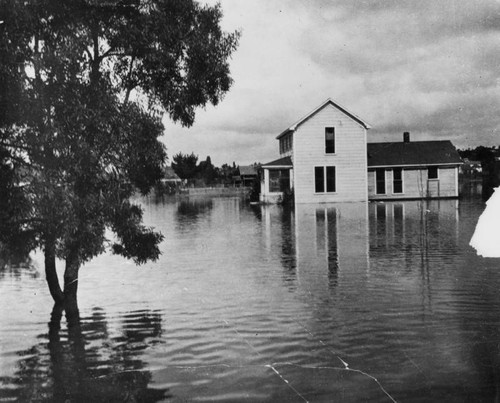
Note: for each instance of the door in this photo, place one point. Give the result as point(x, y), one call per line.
point(380, 179)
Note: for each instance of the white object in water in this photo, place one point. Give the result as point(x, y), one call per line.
point(486, 238)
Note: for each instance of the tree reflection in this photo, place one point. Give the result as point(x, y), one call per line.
point(80, 362)
point(194, 207)
point(15, 264)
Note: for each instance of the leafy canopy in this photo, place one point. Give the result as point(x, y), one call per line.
point(84, 85)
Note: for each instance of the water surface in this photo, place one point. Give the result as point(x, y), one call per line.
point(343, 302)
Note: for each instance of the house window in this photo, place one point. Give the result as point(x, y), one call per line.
point(329, 140)
point(330, 179)
point(397, 180)
point(285, 143)
point(325, 178)
point(380, 180)
point(432, 173)
point(279, 180)
point(319, 178)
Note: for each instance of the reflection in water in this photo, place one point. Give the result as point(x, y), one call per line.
point(427, 226)
point(326, 240)
point(392, 289)
point(16, 265)
point(414, 232)
point(83, 363)
point(194, 207)
point(332, 243)
point(279, 231)
point(288, 252)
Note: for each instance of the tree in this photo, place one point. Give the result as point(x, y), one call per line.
point(83, 87)
point(206, 171)
point(185, 165)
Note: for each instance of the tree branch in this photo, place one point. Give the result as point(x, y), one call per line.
point(129, 80)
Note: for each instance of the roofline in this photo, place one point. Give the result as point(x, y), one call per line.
point(416, 165)
point(277, 166)
point(313, 112)
point(412, 142)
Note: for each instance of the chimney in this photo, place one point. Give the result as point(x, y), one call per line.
point(406, 137)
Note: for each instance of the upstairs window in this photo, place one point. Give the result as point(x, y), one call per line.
point(330, 140)
point(285, 143)
point(432, 173)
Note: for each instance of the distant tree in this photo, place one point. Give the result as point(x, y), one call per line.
point(206, 171)
point(481, 153)
point(83, 86)
point(227, 172)
point(185, 165)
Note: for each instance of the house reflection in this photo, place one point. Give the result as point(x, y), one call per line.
point(325, 245)
point(331, 243)
point(413, 239)
point(279, 234)
point(415, 228)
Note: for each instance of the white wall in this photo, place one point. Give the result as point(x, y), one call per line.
point(415, 183)
point(350, 158)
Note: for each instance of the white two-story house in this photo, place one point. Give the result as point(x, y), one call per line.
point(323, 158)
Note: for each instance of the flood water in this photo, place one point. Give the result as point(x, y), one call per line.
point(353, 302)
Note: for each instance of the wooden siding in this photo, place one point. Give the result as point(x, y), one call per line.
point(350, 159)
point(415, 184)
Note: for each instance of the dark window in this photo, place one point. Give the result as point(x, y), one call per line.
point(380, 179)
point(285, 143)
point(432, 173)
point(323, 181)
point(319, 179)
point(330, 179)
point(279, 180)
point(330, 140)
point(397, 180)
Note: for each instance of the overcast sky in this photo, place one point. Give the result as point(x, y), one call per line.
point(431, 67)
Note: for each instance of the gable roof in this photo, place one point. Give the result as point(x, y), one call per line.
point(412, 153)
point(285, 162)
point(329, 101)
point(170, 174)
point(247, 170)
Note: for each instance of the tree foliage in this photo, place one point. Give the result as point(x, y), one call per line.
point(206, 171)
point(83, 87)
point(185, 165)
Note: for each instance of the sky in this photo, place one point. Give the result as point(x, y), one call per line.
point(430, 67)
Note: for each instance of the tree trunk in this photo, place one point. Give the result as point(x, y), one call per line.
point(51, 273)
point(71, 278)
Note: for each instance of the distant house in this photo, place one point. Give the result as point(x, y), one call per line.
point(170, 181)
point(471, 168)
point(248, 173)
point(170, 176)
point(412, 169)
point(322, 157)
